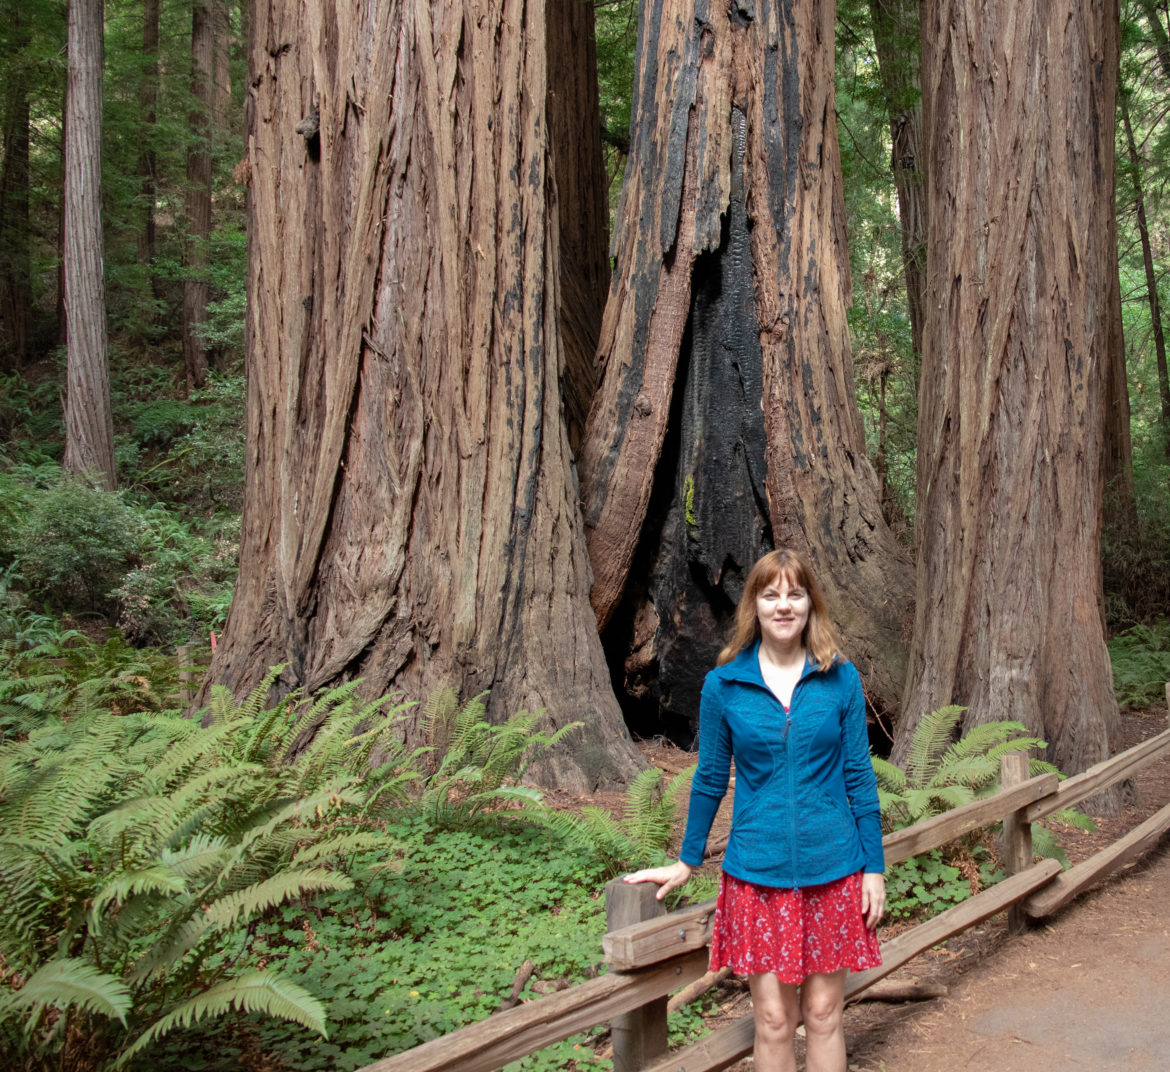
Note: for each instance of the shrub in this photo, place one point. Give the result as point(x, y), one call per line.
point(75, 544)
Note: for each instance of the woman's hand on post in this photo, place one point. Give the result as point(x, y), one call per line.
point(668, 878)
point(873, 898)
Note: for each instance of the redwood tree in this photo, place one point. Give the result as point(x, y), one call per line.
point(726, 421)
point(198, 200)
point(15, 261)
point(1019, 102)
point(896, 39)
point(410, 510)
point(89, 427)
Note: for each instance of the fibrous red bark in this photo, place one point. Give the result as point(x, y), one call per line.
point(410, 512)
point(1019, 98)
point(89, 426)
point(730, 250)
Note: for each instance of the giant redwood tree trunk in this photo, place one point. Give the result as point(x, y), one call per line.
point(1019, 98)
point(410, 512)
point(726, 421)
point(89, 426)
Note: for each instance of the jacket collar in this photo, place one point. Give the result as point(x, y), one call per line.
point(746, 666)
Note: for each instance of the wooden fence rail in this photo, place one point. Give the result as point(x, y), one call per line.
point(651, 957)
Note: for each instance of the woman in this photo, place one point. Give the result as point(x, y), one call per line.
point(803, 884)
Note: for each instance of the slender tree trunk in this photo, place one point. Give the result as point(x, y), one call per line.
point(1019, 100)
point(1120, 495)
point(726, 421)
point(1158, 34)
point(89, 427)
point(1151, 276)
point(410, 512)
point(15, 264)
point(147, 158)
point(896, 39)
point(195, 288)
point(222, 36)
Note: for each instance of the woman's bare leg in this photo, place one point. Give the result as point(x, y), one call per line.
point(822, 1006)
point(776, 1012)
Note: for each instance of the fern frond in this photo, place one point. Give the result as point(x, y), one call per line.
point(243, 904)
point(183, 935)
point(437, 719)
point(643, 817)
point(929, 741)
point(890, 778)
point(256, 991)
point(202, 854)
point(185, 755)
point(69, 983)
point(973, 771)
point(982, 737)
point(1044, 843)
point(342, 845)
point(156, 879)
point(1074, 818)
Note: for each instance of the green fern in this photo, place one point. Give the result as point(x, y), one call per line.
point(142, 831)
point(473, 765)
point(942, 773)
point(640, 838)
point(68, 983)
point(256, 991)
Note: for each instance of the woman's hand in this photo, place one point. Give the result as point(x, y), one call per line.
point(873, 898)
point(668, 878)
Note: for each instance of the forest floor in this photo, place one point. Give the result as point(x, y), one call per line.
point(1087, 989)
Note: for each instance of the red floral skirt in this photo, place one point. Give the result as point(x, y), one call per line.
point(794, 933)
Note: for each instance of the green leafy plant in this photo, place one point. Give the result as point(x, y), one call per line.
point(942, 773)
point(74, 544)
point(1141, 663)
point(134, 845)
point(930, 883)
point(474, 765)
point(640, 837)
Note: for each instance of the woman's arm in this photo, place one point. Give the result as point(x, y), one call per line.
point(860, 781)
point(709, 784)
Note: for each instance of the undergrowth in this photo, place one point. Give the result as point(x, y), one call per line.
point(1141, 663)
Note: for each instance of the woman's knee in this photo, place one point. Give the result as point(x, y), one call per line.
point(775, 1007)
point(774, 1021)
point(822, 1012)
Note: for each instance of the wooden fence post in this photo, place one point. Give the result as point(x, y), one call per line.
point(639, 1036)
point(1017, 833)
point(186, 674)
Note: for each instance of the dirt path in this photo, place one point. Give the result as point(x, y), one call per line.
point(1090, 989)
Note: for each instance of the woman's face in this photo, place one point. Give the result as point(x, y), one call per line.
point(782, 608)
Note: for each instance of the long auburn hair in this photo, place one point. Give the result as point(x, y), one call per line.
point(819, 638)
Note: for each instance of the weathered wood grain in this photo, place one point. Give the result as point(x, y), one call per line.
point(1079, 878)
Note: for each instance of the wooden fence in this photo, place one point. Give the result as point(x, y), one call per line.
point(651, 954)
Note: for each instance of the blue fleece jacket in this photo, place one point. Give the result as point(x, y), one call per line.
point(806, 805)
